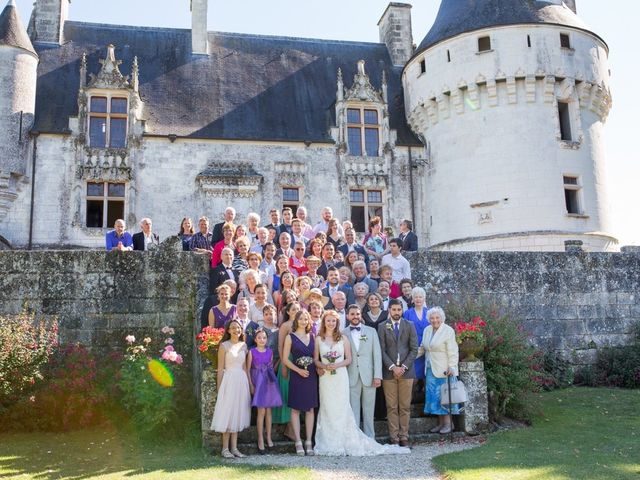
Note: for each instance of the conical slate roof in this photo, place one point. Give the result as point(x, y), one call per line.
point(12, 32)
point(460, 16)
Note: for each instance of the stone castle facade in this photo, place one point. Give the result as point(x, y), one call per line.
point(488, 134)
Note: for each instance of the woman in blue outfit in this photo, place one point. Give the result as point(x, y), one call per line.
point(440, 350)
point(418, 316)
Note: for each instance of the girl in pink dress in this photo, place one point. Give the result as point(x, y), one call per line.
point(232, 413)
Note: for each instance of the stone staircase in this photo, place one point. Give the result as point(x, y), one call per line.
point(419, 427)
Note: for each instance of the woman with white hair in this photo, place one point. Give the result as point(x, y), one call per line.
point(441, 361)
point(418, 316)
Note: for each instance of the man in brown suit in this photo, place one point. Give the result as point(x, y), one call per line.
point(399, 345)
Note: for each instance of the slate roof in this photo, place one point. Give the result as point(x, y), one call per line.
point(461, 16)
point(12, 32)
point(250, 87)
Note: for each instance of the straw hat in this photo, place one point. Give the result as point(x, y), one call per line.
point(315, 294)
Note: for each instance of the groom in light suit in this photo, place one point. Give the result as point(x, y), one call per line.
point(365, 370)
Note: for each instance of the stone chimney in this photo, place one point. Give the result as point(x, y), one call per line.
point(47, 21)
point(199, 42)
point(395, 32)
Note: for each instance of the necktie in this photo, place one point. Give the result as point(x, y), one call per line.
point(354, 328)
point(396, 328)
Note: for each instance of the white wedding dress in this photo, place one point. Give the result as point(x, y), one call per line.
point(337, 433)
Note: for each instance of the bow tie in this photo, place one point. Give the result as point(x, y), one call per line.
point(354, 328)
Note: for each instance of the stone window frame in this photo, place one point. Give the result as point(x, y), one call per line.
point(362, 107)
point(105, 198)
point(109, 95)
point(367, 205)
point(293, 204)
point(572, 182)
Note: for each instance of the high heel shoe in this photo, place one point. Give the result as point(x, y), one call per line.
point(308, 446)
point(299, 449)
point(262, 450)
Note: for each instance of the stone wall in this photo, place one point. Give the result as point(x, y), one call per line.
point(573, 303)
point(100, 297)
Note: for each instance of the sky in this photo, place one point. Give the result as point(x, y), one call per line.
point(614, 20)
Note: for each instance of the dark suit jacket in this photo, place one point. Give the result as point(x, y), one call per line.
point(138, 240)
point(348, 291)
point(384, 314)
point(344, 248)
point(218, 276)
point(410, 242)
point(322, 270)
point(250, 334)
point(216, 234)
point(406, 346)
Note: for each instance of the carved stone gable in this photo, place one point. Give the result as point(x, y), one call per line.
point(362, 90)
point(109, 75)
point(229, 180)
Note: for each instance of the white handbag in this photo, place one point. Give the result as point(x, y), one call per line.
point(458, 393)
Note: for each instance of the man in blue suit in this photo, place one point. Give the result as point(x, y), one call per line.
point(409, 239)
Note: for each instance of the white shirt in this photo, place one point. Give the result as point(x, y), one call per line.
point(355, 337)
point(343, 320)
point(399, 266)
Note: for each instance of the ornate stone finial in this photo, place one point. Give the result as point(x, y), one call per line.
point(362, 89)
point(340, 94)
point(134, 74)
point(109, 75)
point(83, 70)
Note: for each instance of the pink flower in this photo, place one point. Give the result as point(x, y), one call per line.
point(179, 359)
point(165, 329)
point(130, 338)
point(169, 340)
point(169, 348)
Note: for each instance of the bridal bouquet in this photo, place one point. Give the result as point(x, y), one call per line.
point(304, 362)
point(331, 357)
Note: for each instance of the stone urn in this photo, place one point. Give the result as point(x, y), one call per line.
point(469, 348)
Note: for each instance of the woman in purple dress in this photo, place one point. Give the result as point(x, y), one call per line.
point(303, 382)
point(225, 310)
point(264, 387)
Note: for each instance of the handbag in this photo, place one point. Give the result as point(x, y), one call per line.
point(458, 393)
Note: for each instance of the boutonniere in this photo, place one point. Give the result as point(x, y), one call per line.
point(250, 331)
point(389, 326)
point(363, 338)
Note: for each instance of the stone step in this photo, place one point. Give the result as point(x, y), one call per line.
point(287, 447)
point(417, 426)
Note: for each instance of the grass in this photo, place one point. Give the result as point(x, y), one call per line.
point(584, 433)
point(110, 454)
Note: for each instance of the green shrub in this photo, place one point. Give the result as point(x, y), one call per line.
point(67, 398)
point(620, 366)
point(559, 372)
point(511, 363)
point(26, 343)
point(147, 384)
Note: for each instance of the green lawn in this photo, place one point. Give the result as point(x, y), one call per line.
point(585, 433)
point(105, 454)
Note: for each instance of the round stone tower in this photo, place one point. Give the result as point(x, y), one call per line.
point(510, 98)
point(18, 76)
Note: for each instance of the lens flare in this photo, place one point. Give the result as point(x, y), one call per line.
point(160, 373)
point(471, 104)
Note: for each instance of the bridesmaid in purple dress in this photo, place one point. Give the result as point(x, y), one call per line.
point(303, 383)
point(225, 310)
point(264, 387)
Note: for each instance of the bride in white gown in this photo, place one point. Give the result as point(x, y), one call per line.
point(337, 433)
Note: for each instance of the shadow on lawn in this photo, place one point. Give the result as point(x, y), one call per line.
point(105, 451)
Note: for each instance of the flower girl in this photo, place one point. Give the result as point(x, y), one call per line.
point(264, 387)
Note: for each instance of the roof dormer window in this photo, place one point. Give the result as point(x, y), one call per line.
point(363, 127)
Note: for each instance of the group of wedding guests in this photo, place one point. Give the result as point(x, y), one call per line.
point(321, 327)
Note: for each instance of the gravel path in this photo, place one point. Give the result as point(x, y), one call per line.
point(416, 466)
